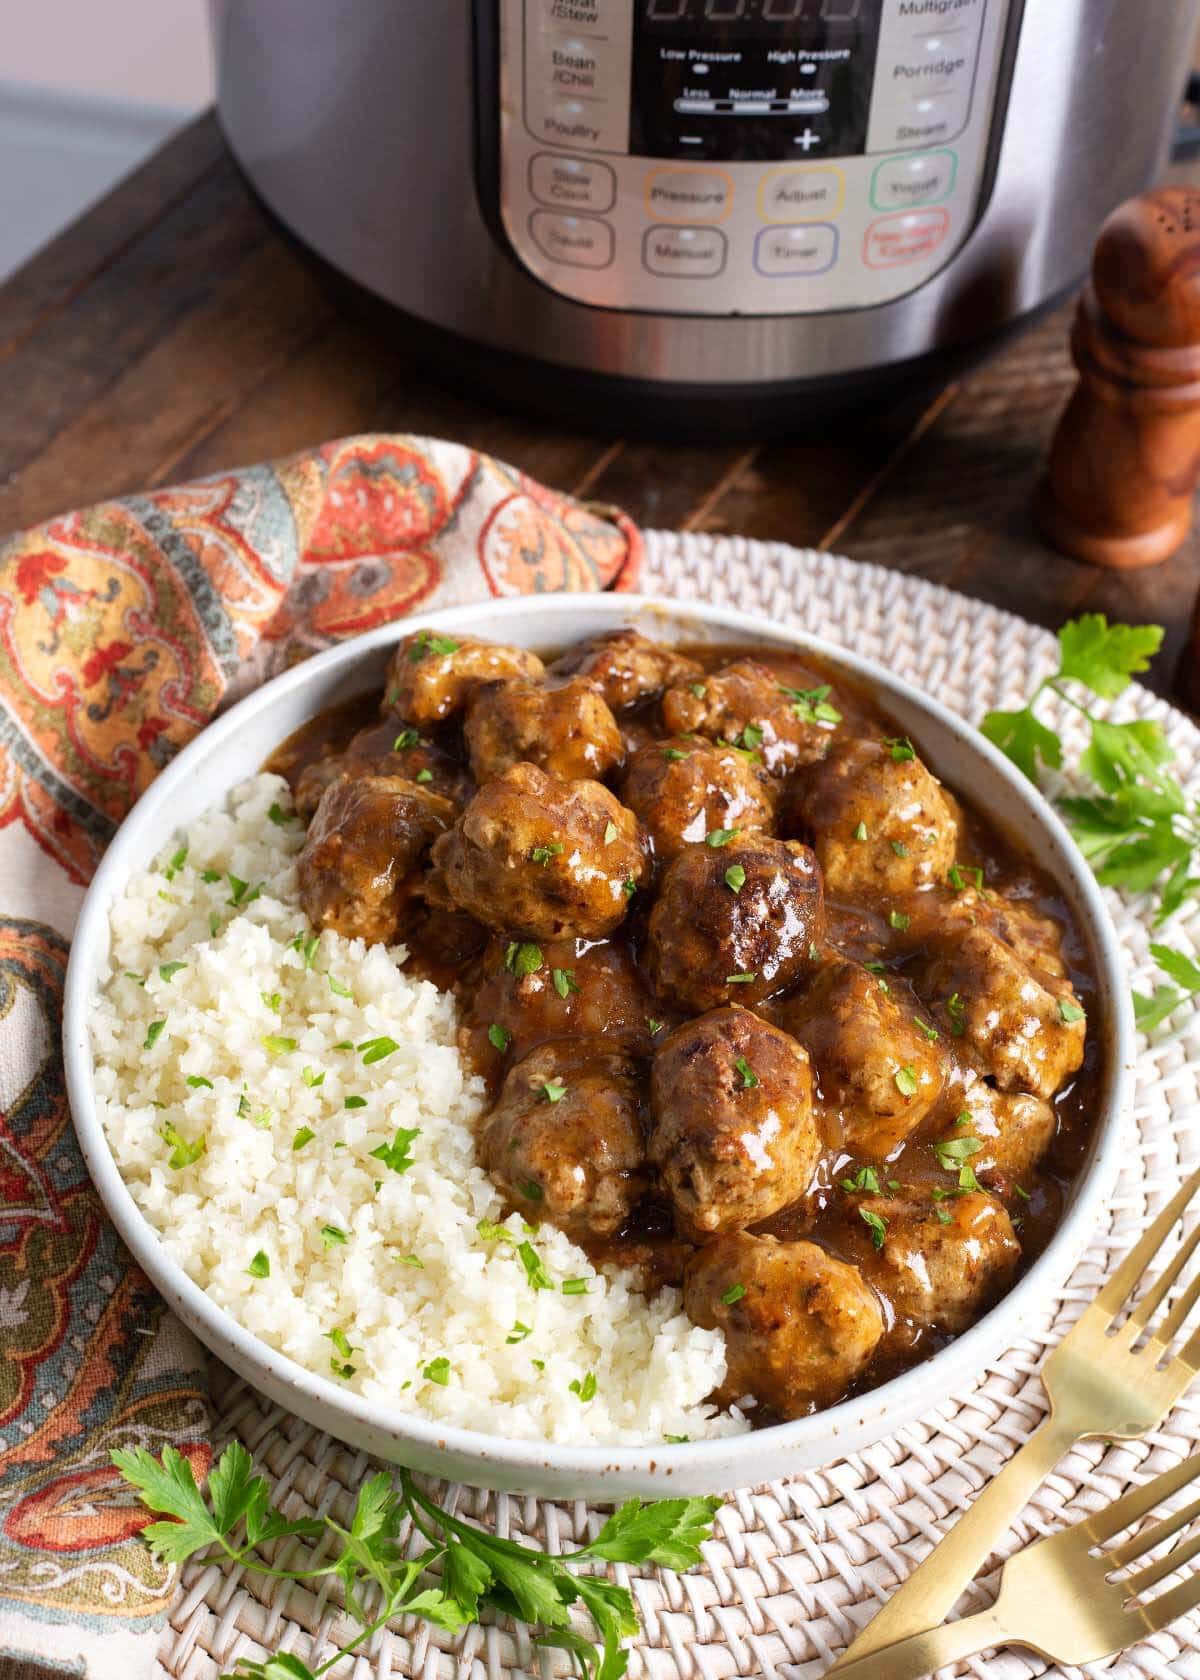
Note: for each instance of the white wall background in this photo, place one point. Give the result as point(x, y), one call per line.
point(143, 50)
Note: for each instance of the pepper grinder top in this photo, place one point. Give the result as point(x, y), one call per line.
point(1126, 456)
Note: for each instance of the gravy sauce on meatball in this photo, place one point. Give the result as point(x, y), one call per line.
point(764, 1012)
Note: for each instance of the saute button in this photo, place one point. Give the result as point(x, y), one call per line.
point(919, 178)
point(684, 253)
point(904, 238)
point(578, 241)
point(792, 195)
point(572, 183)
point(688, 195)
point(783, 251)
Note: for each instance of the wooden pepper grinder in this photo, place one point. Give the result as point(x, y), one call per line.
point(1126, 456)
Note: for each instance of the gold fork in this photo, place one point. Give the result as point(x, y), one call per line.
point(1107, 1377)
point(1056, 1597)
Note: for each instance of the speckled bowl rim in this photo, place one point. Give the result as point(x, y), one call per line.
point(599, 1471)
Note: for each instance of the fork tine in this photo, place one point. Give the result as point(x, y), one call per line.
point(1153, 1298)
point(1173, 1560)
point(1162, 1611)
point(1140, 1501)
point(1179, 1313)
point(1127, 1275)
point(1149, 1538)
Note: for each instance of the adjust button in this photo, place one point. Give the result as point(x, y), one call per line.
point(572, 183)
point(918, 178)
point(782, 252)
point(891, 241)
point(577, 241)
point(793, 195)
point(688, 195)
point(684, 253)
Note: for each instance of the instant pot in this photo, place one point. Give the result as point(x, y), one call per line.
point(737, 206)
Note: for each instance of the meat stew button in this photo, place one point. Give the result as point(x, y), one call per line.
point(571, 183)
point(684, 253)
point(577, 241)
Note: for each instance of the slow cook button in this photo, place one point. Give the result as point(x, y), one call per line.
point(904, 238)
point(684, 253)
point(792, 195)
point(688, 195)
point(572, 183)
point(780, 252)
point(577, 241)
point(919, 178)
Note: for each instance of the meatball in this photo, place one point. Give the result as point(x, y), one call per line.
point(746, 703)
point(872, 1062)
point(734, 923)
point(1021, 1025)
point(549, 858)
point(360, 864)
point(625, 667)
point(1012, 1129)
point(941, 1264)
point(530, 993)
point(800, 1327)
point(733, 1135)
point(431, 675)
point(686, 789)
point(385, 749)
point(564, 727)
point(564, 1142)
point(882, 825)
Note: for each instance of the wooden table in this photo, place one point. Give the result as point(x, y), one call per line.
point(174, 330)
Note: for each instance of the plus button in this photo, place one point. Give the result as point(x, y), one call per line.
point(808, 140)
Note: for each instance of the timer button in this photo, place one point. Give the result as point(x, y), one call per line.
point(688, 195)
point(576, 241)
point(785, 252)
point(908, 237)
point(792, 195)
point(571, 183)
point(917, 178)
point(684, 253)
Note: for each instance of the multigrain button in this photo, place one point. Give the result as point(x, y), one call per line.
point(919, 178)
point(572, 183)
point(787, 252)
point(577, 241)
point(684, 253)
point(891, 241)
point(793, 195)
point(688, 195)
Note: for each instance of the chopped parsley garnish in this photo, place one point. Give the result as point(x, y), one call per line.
point(629, 886)
point(490, 1231)
point(653, 1026)
point(273, 1000)
point(748, 1075)
point(437, 1371)
point(1070, 1010)
point(735, 877)
point(168, 971)
point(341, 1367)
point(312, 1078)
point(575, 1286)
point(539, 1277)
point(610, 833)
point(153, 1034)
point(198, 1082)
point(699, 689)
point(676, 1440)
point(952, 1152)
point(276, 1044)
point(740, 979)
point(210, 875)
point(518, 1333)
point(1020, 1190)
point(260, 1266)
point(810, 705)
point(586, 1390)
point(177, 862)
point(874, 967)
point(343, 1044)
point(522, 959)
point(875, 1224)
point(242, 892)
point(243, 1106)
point(214, 923)
point(942, 1215)
point(406, 738)
point(183, 1154)
point(721, 836)
point(924, 1027)
point(354, 1101)
point(333, 1236)
point(306, 945)
point(866, 1179)
point(532, 1191)
point(136, 978)
point(411, 1260)
point(902, 748)
point(860, 832)
point(279, 816)
point(906, 1081)
point(899, 920)
point(395, 1154)
point(565, 982)
point(900, 849)
point(498, 1038)
point(752, 738)
point(554, 1090)
point(377, 1049)
point(673, 755)
point(426, 642)
point(336, 987)
point(956, 876)
point(303, 1136)
point(732, 1294)
point(543, 854)
point(956, 1009)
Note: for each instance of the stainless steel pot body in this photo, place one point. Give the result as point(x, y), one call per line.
point(420, 148)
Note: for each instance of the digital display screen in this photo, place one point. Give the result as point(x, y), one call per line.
point(752, 79)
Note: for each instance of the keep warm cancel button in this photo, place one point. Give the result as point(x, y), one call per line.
point(906, 237)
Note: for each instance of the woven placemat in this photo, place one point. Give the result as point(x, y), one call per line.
point(796, 1565)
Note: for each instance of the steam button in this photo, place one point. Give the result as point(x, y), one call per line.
point(576, 241)
point(571, 183)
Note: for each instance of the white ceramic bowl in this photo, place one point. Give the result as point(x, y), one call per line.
point(235, 746)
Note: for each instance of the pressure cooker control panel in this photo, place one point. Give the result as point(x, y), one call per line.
point(743, 157)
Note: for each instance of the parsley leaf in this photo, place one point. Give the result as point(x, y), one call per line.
point(395, 1154)
point(1103, 656)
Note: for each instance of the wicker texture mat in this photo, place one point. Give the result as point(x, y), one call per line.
point(795, 1565)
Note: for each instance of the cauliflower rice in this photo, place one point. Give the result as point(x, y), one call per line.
point(292, 1069)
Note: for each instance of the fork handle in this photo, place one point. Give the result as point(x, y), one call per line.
point(927, 1652)
point(937, 1583)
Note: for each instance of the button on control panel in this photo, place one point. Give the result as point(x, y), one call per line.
point(742, 157)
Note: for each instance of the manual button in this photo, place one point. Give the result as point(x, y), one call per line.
point(577, 241)
point(688, 195)
point(572, 183)
point(684, 253)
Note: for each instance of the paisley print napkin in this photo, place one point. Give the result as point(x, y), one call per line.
point(123, 629)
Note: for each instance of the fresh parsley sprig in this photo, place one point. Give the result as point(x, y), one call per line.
point(461, 1571)
point(1134, 823)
